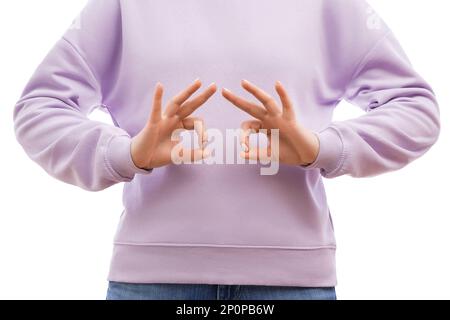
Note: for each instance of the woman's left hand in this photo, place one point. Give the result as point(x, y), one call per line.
point(297, 144)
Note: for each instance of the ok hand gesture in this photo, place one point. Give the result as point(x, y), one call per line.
point(152, 147)
point(297, 144)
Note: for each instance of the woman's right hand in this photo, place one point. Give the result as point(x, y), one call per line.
point(152, 147)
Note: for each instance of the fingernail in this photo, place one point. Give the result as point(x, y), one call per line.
point(279, 83)
point(197, 79)
point(244, 81)
point(226, 90)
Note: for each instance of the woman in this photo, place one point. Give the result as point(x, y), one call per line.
point(208, 230)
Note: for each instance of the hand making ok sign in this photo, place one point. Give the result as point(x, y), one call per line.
point(153, 146)
point(297, 144)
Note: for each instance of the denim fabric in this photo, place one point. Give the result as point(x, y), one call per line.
point(128, 291)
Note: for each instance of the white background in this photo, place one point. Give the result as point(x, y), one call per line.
point(393, 231)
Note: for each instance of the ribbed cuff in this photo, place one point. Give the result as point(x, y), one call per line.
point(118, 155)
point(331, 149)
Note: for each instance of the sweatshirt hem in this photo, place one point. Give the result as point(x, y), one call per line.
point(216, 264)
point(206, 245)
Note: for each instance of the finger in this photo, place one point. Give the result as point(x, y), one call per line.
point(193, 155)
point(251, 108)
point(197, 124)
point(288, 109)
point(155, 115)
point(257, 154)
point(181, 97)
point(189, 107)
point(248, 128)
point(262, 96)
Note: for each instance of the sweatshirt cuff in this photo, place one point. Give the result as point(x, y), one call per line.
point(331, 151)
point(118, 156)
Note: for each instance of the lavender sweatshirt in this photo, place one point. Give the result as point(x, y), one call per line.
point(225, 224)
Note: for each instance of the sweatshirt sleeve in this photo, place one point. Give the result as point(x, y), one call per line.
point(401, 121)
point(51, 118)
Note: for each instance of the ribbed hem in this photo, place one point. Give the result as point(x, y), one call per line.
point(223, 265)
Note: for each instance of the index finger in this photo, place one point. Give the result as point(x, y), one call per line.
point(251, 108)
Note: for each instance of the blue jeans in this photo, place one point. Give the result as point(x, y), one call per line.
point(128, 291)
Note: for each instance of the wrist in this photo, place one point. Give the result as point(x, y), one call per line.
point(119, 158)
point(141, 162)
point(310, 155)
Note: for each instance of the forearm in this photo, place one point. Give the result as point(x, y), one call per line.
point(52, 126)
point(401, 122)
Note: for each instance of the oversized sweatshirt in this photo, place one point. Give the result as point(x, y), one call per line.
point(225, 223)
